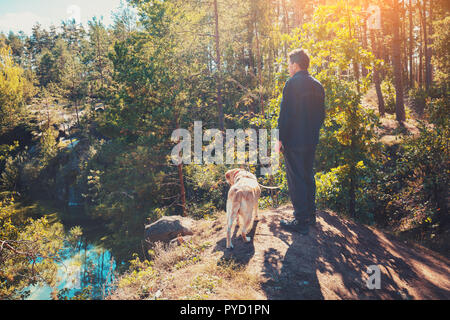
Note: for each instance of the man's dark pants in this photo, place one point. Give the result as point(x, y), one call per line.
point(301, 183)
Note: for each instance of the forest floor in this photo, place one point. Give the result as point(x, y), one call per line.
point(329, 263)
point(390, 130)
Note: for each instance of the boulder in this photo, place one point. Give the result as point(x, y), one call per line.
point(168, 228)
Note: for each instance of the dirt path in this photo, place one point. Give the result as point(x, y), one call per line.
point(331, 262)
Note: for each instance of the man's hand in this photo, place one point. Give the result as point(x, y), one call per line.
point(279, 147)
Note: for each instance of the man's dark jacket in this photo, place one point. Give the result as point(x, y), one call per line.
point(302, 112)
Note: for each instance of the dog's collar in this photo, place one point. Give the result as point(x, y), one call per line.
point(234, 175)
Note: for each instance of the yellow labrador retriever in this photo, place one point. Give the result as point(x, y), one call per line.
point(242, 201)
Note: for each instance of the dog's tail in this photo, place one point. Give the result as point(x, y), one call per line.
point(270, 188)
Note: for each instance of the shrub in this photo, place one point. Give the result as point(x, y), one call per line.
point(206, 189)
point(388, 91)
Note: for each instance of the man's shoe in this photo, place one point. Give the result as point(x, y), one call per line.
point(295, 226)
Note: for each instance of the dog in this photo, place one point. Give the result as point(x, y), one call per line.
point(242, 202)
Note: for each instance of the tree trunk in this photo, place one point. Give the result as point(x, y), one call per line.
point(364, 43)
point(285, 25)
point(352, 189)
point(250, 35)
point(259, 61)
point(411, 45)
point(219, 68)
point(48, 113)
point(99, 59)
point(298, 13)
point(376, 77)
point(355, 63)
point(398, 79)
point(426, 48)
point(404, 44)
point(182, 189)
point(430, 47)
point(286, 17)
point(420, 71)
point(78, 117)
point(181, 179)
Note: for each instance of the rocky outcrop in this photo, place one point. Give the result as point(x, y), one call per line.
point(169, 228)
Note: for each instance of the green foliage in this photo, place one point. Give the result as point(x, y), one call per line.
point(97, 56)
point(204, 285)
point(205, 189)
point(441, 55)
point(29, 251)
point(48, 145)
point(74, 235)
point(30, 88)
point(12, 84)
point(10, 175)
point(419, 98)
point(61, 68)
point(329, 190)
point(427, 157)
point(6, 150)
point(84, 294)
point(16, 172)
point(138, 272)
point(388, 91)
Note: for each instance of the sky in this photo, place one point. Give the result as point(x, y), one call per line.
point(21, 15)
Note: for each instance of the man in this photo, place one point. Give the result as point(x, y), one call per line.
point(302, 114)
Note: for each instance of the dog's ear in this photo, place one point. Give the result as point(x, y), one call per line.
point(230, 176)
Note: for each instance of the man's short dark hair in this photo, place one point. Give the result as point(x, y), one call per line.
point(299, 57)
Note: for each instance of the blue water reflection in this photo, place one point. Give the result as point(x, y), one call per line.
point(81, 266)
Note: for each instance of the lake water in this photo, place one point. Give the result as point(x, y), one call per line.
point(83, 266)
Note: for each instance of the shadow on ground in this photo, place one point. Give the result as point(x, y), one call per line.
point(331, 261)
point(242, 252)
